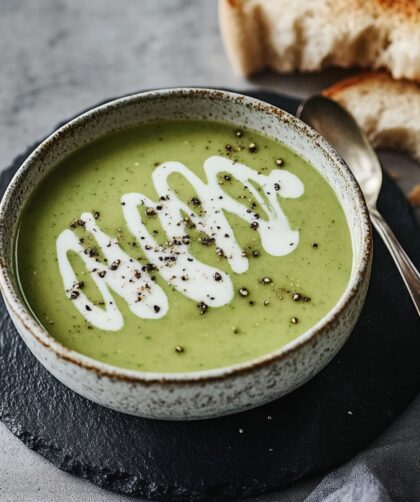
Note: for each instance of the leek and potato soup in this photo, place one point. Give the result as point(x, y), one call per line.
point(182, 246)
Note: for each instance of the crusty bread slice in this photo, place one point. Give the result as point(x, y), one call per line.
point(388, 110)
point(309, 35)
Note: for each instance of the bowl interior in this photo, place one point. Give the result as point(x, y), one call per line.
point(180, 104)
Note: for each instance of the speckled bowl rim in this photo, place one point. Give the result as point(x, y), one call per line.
point(359, 270)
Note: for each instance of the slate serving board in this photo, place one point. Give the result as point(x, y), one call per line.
point(325, 422)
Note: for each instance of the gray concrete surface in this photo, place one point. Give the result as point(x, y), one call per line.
point(60, 56)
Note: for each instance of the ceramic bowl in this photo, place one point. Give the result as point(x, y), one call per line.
point(203, 394)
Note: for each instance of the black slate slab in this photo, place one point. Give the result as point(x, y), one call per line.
point(374, 377)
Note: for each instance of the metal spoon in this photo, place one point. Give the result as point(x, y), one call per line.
point(340, 129)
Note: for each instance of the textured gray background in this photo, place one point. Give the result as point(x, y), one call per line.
point(60, 56)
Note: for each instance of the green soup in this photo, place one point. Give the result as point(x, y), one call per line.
point(182, 246)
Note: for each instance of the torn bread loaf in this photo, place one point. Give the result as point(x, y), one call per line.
point(309, 35)
point(388, 110)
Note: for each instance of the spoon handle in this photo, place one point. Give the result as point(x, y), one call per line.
point(406, 267)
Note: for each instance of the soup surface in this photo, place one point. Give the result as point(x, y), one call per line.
point(182, 246)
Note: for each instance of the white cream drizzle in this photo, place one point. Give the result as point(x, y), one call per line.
point(131, 280)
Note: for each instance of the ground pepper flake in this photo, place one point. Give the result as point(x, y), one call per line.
point(243, 292)
point(150, 211)
point(206, 241)
point(91, 252)
point(115, 264)
point(179, 349)
point(149, 267)
point(202, 307)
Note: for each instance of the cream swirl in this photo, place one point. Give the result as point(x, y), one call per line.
point(174, 262)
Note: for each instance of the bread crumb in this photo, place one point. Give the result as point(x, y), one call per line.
point(414, 195)
point(394, 175)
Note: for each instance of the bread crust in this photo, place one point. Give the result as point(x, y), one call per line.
point(410, 9)
point(242, 35)
point(368, 78)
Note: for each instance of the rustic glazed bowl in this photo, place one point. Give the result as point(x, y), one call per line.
point(202, 394)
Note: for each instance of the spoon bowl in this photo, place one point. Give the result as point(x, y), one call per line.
point(339, 127)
